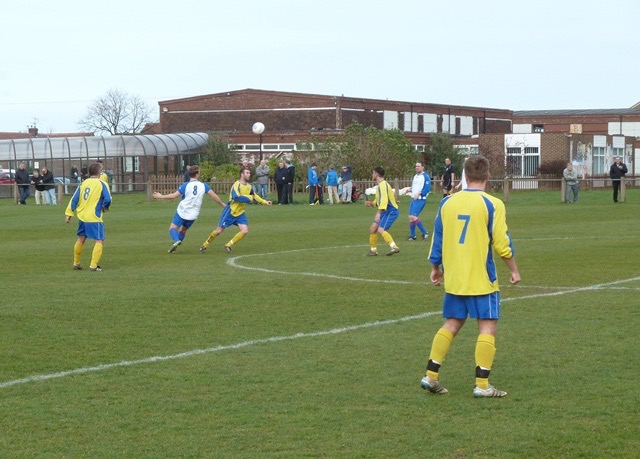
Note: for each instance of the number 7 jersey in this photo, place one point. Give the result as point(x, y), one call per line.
point(469, 226)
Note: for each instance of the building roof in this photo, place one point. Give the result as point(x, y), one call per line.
point(578, 112)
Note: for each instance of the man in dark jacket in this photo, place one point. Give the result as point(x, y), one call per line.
point(617, 171)
point(291, 174)
point(280, 178)
point(49, 186)
point(23, 181)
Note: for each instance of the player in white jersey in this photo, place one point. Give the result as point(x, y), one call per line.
point(192, 193)
point(420, 188)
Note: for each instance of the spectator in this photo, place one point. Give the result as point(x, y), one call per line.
point(280, 178)
point(74, 174)
point(187, 175)
point(332, 185)
point(312, 177)
point(83, 173)
point(262, 179)
point(23, 181)
point(617, 171)
point(49, 187)
point(571, 180)
point(291, 175)
point(346, 180)
point(36, 181)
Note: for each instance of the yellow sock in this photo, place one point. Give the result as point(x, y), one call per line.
point(388, 239)
point(441, 344)
point(373, 241)
point(96, 255)
point(235, 239)
point(485, 353)
point(77, 252)
point(211, 237)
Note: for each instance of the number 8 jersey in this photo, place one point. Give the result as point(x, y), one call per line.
point(88, 201)
point(469, 226)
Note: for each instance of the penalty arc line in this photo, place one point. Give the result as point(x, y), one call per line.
point(275, 339)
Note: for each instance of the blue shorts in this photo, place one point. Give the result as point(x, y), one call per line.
point(416, 206)
point(93, 230)
point(179, 221)
point(387, 218)
point(226, 219)
point(476, 306)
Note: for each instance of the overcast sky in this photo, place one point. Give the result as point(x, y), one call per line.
point(59, 56)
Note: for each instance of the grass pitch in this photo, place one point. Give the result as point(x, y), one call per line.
point(297, 345)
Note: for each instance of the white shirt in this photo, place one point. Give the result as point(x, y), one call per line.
point(192, 195)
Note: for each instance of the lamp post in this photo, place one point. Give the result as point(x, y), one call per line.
point(258, 128)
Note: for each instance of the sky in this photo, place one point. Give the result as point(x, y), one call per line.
point(59, 57)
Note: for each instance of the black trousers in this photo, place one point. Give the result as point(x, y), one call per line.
point(616, 188)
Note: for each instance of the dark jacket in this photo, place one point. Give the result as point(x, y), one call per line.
point(47, 179)
point(291, 173)
point(281, 175)
point(37, 182)
point(618, 171)
point(22, 177)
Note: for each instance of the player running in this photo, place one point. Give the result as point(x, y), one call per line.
point(386, 215)
point(192, 193)
point(420, 188)
point(240, 195)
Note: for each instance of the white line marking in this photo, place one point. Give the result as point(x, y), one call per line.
point(161, 358)
point(275, 339)
point(233, 262)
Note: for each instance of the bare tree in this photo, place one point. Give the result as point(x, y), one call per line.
point(117, 112)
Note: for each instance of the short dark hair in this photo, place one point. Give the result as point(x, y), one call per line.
point(94, 169)
point(193, 171)
point(242, 169)
point(379, 170)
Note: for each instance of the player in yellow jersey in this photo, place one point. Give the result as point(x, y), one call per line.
point(387, 213)
point(240, 195)
point(88, 203)
point(469, 226)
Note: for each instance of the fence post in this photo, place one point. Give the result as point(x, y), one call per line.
point(623, 190)
point(149, 192)
point(563, 190)
point(16, 194)
point(396, 186)
point(60, 192)
point(505, 189)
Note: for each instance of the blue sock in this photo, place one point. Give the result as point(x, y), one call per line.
point(175, 235)
point(421, 226)
point(412, 229)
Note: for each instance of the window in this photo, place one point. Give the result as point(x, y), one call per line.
point(522, 162)
point(131, 164)
point(599, 158)
point(538, 128)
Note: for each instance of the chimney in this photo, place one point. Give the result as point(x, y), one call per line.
point(33, 131)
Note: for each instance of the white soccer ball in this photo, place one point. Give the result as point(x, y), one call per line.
point(257, 128)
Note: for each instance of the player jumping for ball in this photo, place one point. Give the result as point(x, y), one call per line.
point(240, 195)
point(469, 226)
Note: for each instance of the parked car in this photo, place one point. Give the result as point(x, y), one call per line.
point(64, 180)
point(7, 178)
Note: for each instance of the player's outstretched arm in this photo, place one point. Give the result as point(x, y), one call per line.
point(216, 198)
point(173, 195)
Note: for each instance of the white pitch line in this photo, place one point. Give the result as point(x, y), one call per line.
point(161, 358)
point(275, 339)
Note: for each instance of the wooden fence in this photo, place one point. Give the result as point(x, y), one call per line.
point(170, 183)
